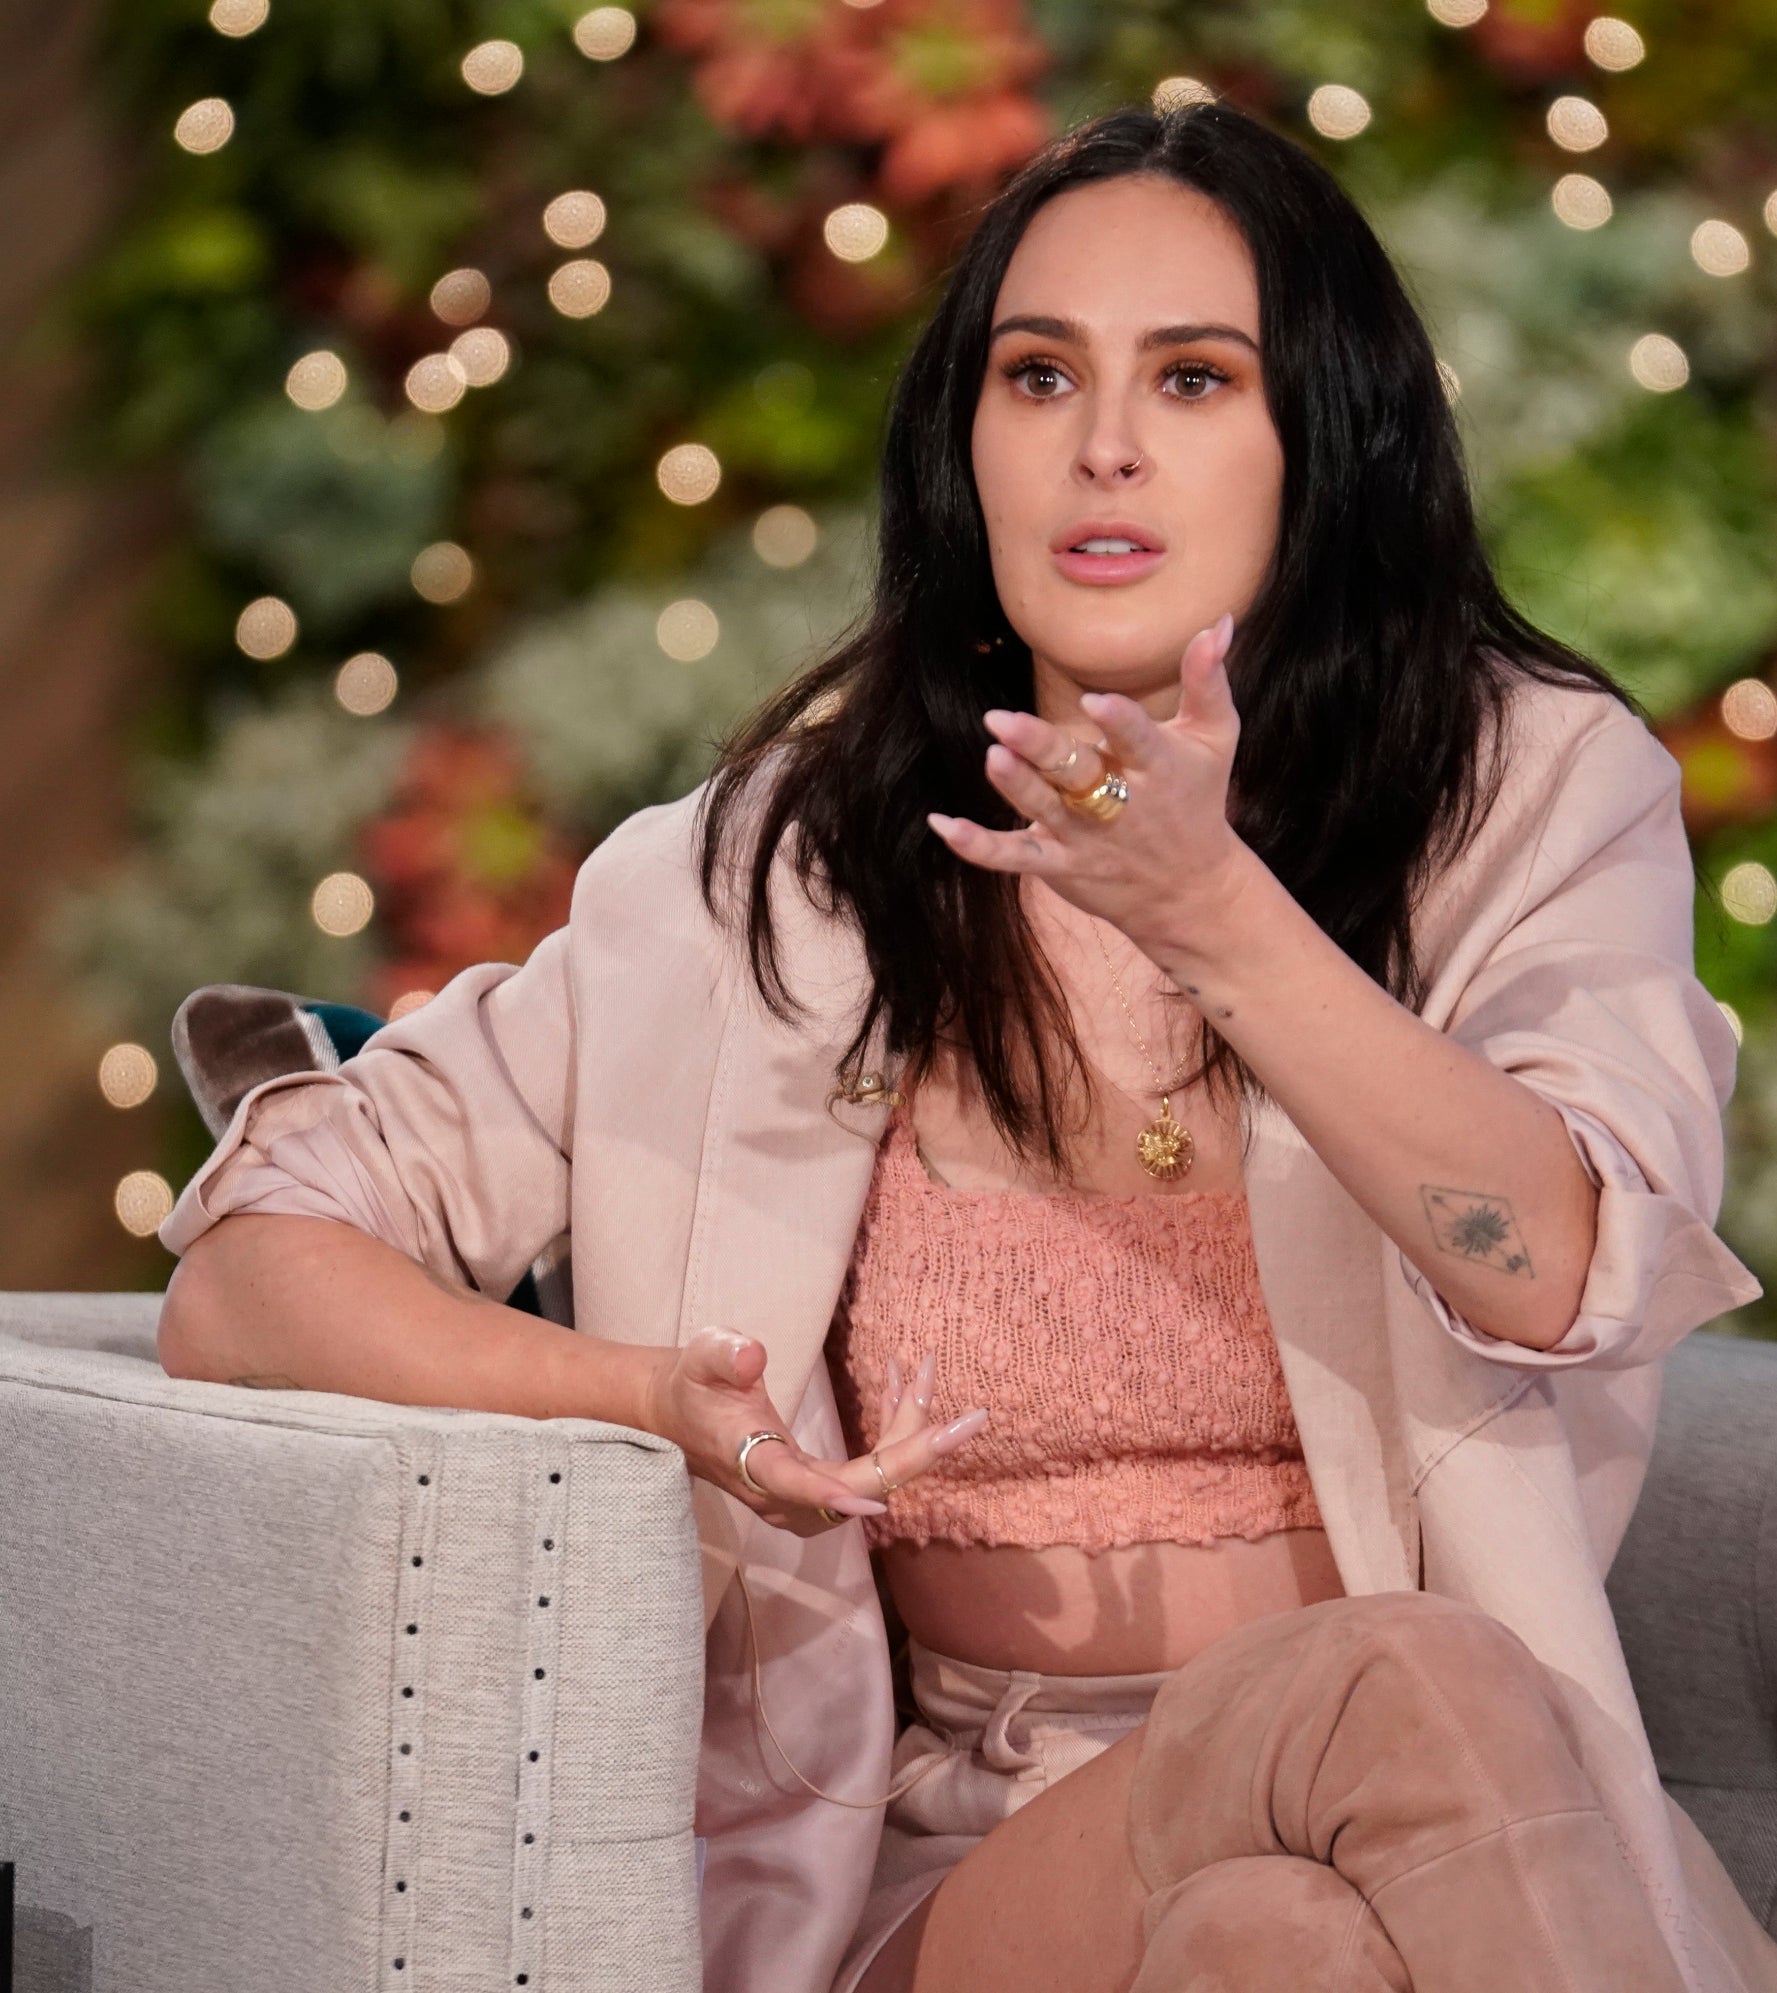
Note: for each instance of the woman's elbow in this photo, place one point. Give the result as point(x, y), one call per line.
point(193, 1314)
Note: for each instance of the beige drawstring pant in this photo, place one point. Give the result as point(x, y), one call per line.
point(1365, 1795)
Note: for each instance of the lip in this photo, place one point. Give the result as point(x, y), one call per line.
point(1104, 570)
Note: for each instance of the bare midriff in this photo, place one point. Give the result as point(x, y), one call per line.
point(1132, 1608)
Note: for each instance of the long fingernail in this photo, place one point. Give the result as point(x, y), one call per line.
point(923, 1382)
point(894, 1377)
point(1225, 629)
point(857, 1505)
point(959, 1431)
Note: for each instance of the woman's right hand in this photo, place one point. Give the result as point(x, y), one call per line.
point(709, 1394)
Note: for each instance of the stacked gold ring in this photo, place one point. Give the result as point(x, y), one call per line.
point(1102, 802)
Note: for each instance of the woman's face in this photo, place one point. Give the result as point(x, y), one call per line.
point(1136, 401)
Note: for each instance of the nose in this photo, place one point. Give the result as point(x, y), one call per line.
point(1110, 455)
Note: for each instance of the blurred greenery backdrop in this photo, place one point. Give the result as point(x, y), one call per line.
point(517, 372)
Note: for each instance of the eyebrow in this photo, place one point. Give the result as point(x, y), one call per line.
point(1161, 335)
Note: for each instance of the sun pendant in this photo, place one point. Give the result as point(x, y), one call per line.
point(1164, 1147)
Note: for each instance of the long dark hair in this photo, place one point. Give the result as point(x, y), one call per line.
point(1370, 671)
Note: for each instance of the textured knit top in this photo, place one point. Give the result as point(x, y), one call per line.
point(1121, 1345)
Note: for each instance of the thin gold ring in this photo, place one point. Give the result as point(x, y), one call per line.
point(830, 1515)
point(888, 1486)
point(1100, 748)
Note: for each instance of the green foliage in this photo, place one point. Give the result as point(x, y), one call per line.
point(1636, 526)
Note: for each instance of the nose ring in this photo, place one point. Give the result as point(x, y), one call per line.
point(1130, 466)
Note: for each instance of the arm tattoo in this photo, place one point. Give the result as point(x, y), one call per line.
point(272, 1381)
point(1471, 1225)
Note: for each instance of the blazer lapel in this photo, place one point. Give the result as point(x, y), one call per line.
point(786, 1164)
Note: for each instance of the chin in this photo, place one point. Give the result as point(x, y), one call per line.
point(1108, 658)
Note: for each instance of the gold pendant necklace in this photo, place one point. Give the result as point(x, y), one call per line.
point(1165, 1147)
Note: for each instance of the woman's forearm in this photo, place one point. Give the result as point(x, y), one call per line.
point(287, 1303)
point(1471, 1173)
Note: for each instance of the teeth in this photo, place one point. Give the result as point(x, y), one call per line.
point(1109, 547)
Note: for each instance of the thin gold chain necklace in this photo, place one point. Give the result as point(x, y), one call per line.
point(1165, 1147)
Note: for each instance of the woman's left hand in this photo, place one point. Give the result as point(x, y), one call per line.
point(1167, 846)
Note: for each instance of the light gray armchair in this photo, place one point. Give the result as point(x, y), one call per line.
point(282, 1708)
point(310, 1694)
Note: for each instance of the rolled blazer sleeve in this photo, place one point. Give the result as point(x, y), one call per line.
point(448, 1136)
point(1590, 998)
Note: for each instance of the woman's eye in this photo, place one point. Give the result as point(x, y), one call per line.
point(1195, 371)
point(1040, 379)
point(1041, 368)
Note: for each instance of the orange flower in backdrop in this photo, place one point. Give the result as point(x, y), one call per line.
point(465, 866)
point(1534, 41)
point(939, 84)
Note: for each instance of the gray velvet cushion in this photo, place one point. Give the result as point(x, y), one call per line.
point(1694, 1589)
point(212, 1773)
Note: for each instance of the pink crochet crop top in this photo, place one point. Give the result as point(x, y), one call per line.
point(1121, 1344)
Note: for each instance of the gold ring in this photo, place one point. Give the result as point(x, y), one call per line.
point(752, 1440)
point(888, 1486)
point(1100, 748)
point(1102, 803)
point(830, 1515)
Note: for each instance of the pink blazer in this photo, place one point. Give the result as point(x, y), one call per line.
point(627, 1087)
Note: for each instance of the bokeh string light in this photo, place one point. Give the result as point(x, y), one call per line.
point(580, 289)
point(366, 684)
point(1612, 44)
point(483, 354)
point(1734, 1024)
point(1173, 93)
point(688, 473)
point(605, 33)
point(205, 126)
point(1580, 201)
point(460, 297)
point(266, 628)
point(128, 1075)
point(342, 904)
point(784, 536)
point(687, 629)
point(1719, 249)
point(143, 1201)
point(408, 1002)
point(574, 220)
point(317, 380)
point(435, 383)
point(1749, 709)
point(235, 18)
point(1749, 893)
point(442, 572)
point(1576, 124)
point(1336, 111)
point(855, 232)
point(492, 68)
point(1456, 13)
point(1771, 210)
point(1659, 363)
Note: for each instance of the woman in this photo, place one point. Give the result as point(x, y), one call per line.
point(1190, 1013)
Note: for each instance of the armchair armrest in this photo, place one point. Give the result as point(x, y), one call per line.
point(303, 1691)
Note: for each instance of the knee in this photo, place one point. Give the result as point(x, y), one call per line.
point(1465, 1658)
point(1265, 1920)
